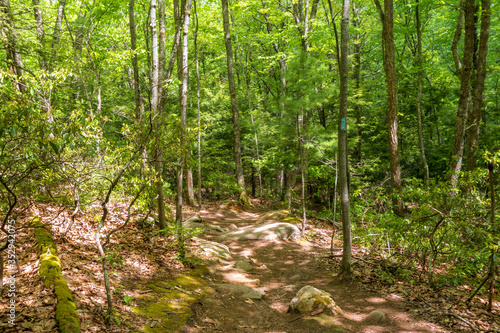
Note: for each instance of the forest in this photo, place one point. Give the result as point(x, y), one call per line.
point(363, 136)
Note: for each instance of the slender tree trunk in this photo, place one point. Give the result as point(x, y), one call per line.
point(234, 106)
point(135, 67)
point(182, 66)
point(156, 113)
point(198, 101)
point(10, 44)
point(189, 186)
point(357, 83)
point(463, 102)
point(386, 16)
point(419, 96)
point(57, 33)
point(345, 266)
point(40, 32)
point(474, 118)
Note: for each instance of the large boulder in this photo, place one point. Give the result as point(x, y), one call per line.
point(309, 298)
point(273, 231)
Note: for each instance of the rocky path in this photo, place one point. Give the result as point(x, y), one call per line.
point(278, 269)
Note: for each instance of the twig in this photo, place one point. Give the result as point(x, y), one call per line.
point(451, 314)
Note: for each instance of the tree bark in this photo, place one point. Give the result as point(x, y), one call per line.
point(386, 15)
point(135, 67)
point(234, 106)
point(40, 32)
point(419, 96)
point(10, 43)
point(345, 266)
point(463, 102)
point(474, 118)
point(182, 67)
point(157, 154)
point(57, 33)
point(357, 83)
point(198, 101)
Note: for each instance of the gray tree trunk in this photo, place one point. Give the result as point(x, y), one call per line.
point(345, 266)
point(386, 16)
point(474, 119)
point(182, 66)
point(463, 101)
point(419, 96)
point(234, 106)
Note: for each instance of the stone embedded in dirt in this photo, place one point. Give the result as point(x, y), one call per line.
point(243, 292)
point(244, 265)
point(215, 249)
point(309, 299)
point(271, 231)
point(376, 317)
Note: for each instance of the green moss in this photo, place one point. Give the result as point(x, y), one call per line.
point(51, 272)
point(169, 306)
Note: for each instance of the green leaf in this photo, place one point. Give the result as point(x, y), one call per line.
point(54, 147)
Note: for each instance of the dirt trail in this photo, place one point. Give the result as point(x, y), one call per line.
point(281, 269)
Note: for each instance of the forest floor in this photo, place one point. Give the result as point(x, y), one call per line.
point(144, 264)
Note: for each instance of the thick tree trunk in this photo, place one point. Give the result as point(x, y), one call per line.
point(234, 106)
point(419, 96)
point(345, 266)
point(463, 102)
point(389, 51)
point(474, 118)
point(182, 67)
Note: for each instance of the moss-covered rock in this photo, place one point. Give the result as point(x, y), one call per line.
point(169, 306)
point(51, 272)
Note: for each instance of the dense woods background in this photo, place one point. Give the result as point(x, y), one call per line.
point(154, 102)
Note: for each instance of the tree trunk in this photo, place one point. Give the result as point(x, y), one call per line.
point(388, 46)
point(419, 96)
point(135, 67)
point(40, 32)
point(157, 153)
point(345, 266)
point(189, 186)
point(474, 118)
point(357, 83)
point(198, 101)
point(463, 102)
point(182, 67)
point(234, 106)
point(57, 33)
point(10, 44)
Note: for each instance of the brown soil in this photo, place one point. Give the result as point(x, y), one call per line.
point(281, 269)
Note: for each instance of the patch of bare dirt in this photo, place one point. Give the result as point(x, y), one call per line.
point(281, 269)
